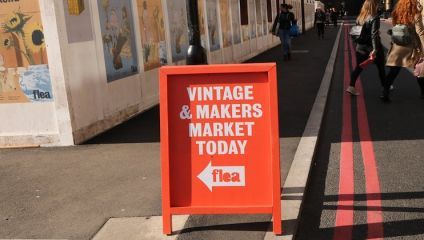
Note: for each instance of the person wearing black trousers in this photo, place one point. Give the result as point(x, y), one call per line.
point(368, 44)
point(408, 13)
point(320, 22)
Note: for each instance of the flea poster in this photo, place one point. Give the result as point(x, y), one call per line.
point(24, 73)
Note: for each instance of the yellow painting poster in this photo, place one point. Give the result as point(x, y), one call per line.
point(24, 74)
point(152, 28)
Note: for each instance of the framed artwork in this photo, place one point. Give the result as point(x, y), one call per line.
point(119, 46)
point(152, 29)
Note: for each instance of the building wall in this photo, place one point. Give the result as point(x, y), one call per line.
point(104, 62)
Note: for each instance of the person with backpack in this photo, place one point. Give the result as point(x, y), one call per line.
point(285, 20)
point(407, 42)
point(320, 22)
point(368, 44)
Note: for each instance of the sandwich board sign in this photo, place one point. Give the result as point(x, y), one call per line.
point(219, 141)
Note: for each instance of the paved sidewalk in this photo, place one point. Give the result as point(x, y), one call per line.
point(69, 193)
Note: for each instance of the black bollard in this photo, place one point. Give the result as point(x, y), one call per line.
point(196, 54)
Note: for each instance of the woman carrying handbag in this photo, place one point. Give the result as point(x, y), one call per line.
point(281, 27)
point(407, 43)
point(368, 44)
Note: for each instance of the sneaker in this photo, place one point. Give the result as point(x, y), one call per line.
point(352, 91)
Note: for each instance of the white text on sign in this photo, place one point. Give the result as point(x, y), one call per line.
point(237, 112)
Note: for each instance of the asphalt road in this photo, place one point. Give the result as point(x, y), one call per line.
point(367, 179)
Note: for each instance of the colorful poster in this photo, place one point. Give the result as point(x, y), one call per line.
point(78, 27)
point(274, 13)
point(177, 15)
point(235, 16)
point(259, 17)
point(225, 23)
point(152, 29)
point(202, 22)
point(264, 17)
point(24, 73)
point(212, 16)
point(252, 19)
point(119, 46)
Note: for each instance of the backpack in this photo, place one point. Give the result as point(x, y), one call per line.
point(401, 35)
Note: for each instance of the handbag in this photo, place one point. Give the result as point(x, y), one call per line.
point(294, 31)
point(355, 32)
point(367, 62)
point(419, 68)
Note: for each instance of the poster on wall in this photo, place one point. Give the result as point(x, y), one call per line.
point(264, 17)
point(235, 16)
point(252, 19)
point(273, 14)
point(212, 16)
point(117, 28)
point(202, 22)
point(235, 21)
point(152, 29)
point(259, 17)
point(178, 27)
point(78, 26)
point(24, 73)
point(225, 22)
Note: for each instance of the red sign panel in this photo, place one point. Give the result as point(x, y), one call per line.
point(219, 141)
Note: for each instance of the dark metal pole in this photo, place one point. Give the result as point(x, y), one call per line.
point(196, 54)
point(302, 6)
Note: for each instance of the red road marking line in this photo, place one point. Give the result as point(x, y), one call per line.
point(344, 217)
point(372, 183)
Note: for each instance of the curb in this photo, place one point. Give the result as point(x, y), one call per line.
point(299, 171)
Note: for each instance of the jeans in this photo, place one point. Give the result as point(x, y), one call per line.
point(284, 35)
point(379, 62)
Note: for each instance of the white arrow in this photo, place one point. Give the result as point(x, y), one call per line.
point(223, 176)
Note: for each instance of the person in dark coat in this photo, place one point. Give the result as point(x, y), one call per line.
point(320, 22)
point(286, 20)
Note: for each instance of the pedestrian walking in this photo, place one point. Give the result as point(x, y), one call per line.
point(320, 22)
point(334, 17)
point(368, 44)
point(284, 21)
point(407, 42)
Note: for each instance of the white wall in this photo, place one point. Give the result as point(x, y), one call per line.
point(85, 103)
